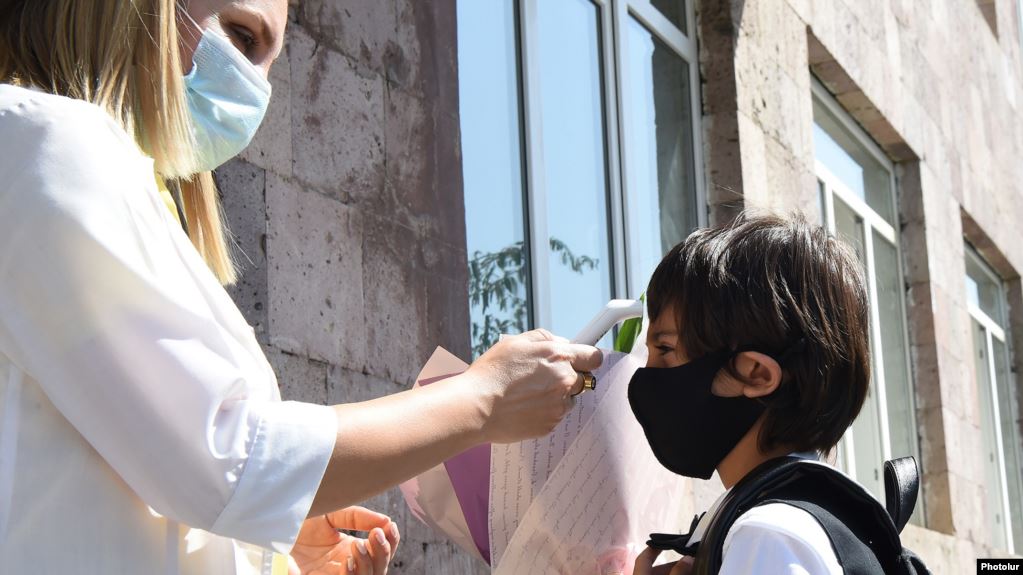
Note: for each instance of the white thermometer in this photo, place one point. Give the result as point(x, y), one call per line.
point(616, 310)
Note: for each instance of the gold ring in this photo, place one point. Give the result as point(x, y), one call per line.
point(589, 382)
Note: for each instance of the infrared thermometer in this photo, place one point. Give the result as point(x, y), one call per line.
point(616, 310)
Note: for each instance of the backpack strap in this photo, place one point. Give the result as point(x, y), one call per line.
point(790, 479)
point(901, 486)
point(853, 554)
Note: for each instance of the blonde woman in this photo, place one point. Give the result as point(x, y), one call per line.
point(141, 427)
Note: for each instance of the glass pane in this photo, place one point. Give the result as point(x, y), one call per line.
point(869, 456)
point(662, 184)
point(849, 227)
point(898, 384)
point(995, 511)
point(574, 161)
point(673, 10)
point(983, 287)
point(492, 171)
point(843, 154)
point(866, 429)
point(1008, 408)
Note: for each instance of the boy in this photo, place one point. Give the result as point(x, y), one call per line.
point(759, 349)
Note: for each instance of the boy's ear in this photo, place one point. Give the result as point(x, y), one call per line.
point(761, 374)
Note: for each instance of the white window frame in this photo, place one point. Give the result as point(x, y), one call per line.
point(993, 330)
point(832, 186)
point(613, 15)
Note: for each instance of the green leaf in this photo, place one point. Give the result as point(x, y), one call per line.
point(628, 333)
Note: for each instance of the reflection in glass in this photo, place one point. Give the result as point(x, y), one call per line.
point(659, 147)
point(866, 430)
point(849, 227)
point(1008, 419)
point(674, 11)
point(983, 287)
point(994, 511)
point(898, 388)
point(867, 445)
point(492, 171)
point(844, 156)
point(575, 173)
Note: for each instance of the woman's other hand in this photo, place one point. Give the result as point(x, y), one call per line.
point(645, 565)
point(526, 383)
point(321, 550)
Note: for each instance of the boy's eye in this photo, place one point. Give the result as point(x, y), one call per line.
point(665, 349)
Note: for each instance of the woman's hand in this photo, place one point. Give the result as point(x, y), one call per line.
point(517, 390)
point(321, 550)
point(645, 565)
point(527, 381)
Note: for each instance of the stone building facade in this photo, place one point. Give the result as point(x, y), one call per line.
point(350, 210)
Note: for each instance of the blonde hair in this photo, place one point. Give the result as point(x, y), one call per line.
point(121, 55)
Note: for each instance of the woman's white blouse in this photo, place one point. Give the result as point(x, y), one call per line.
point(138, 414)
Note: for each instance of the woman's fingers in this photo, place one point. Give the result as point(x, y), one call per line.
point(645, 562)
point(360, 562)
point(393, 536)
point(583, 357)
point(357, 519)
point(379, 551)
point(539, 334)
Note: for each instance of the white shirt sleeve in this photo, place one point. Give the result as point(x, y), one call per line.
point(778, 539)
point(133, 340)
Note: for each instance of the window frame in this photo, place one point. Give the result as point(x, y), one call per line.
point(831, 186)
point(612, 16)
point(993, 330)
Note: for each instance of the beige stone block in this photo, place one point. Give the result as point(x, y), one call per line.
point(926, 376)
point(300, 378)
point(353, 386)
point(942, 553)
point(937, 499)
point(795, 128)
point(393, 324)
point(967, 498)
point(754, 164)
point(338, 129)
point(315, 263)
point(935, 440)
point(423, 57)
point(243, 191)
point(359, 30)
point(915, 253)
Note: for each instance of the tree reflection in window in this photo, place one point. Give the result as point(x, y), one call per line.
point(498, 292)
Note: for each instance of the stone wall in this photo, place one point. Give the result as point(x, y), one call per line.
point(935, 86)
point(349, 220)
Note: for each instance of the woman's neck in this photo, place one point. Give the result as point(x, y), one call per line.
point(746, 456)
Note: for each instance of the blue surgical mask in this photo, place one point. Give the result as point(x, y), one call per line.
point(227, 99)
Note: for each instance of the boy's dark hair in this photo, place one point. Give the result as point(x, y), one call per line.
point(765, 283)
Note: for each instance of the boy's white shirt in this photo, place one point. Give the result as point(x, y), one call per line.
point(776, 538)
point(129, 380)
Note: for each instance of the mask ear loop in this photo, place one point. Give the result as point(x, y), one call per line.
point(197, 30)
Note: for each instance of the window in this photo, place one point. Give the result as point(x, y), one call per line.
point(858, 200)
point(578, 153)
point(985, 296)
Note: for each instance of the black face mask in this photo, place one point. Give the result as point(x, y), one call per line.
point(689, 429)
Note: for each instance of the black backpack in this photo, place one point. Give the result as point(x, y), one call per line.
point(863, 534)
